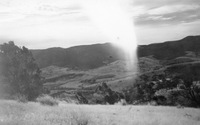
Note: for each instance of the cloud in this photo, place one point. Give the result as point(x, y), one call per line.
point(28, 8)
point(161, 12)
point(10, 17)
point(172, 9)
point(167, 32)
point(158, 17)
point(158, 3)
point(138, 11)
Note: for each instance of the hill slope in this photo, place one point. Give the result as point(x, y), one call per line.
point(172, 49)
point(81, 57)
point(97, 55)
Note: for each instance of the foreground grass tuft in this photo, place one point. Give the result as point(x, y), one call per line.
point(47, 100)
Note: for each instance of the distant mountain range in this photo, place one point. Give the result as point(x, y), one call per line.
point(97, 55)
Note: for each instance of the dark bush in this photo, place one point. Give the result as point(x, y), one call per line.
point(20, 71)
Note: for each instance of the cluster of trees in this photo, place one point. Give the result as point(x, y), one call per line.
point(166, 88)
point(19, 71)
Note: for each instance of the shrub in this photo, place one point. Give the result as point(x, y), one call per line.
point(121, 102)
point(21, 98)
point(153, 103)
point(47, 100)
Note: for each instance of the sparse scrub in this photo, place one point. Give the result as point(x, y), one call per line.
point(166, 88)
point(121, 102)
point(153, 103)
point(70, 101)
point(47, 100)
point(21, 98)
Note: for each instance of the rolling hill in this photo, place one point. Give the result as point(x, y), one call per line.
point(97, 55)
point(79, 57)
point(172, 49)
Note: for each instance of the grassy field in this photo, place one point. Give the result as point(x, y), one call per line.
point(31, 113)
point(68, 78)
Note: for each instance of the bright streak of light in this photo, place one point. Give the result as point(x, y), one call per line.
point(110, 17)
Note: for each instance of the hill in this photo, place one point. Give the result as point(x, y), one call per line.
point(97, 55)
point(172, 49)
point(79, 57)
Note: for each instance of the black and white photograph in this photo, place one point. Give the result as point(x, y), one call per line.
point(99, 62)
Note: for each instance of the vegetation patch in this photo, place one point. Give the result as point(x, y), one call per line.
point(63, 77)
point(105, 76)
point(47, 100)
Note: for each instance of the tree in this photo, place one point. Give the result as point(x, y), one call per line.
point(190, 85)
point(21, 72)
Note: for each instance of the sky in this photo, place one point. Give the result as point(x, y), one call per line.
point(39, 24)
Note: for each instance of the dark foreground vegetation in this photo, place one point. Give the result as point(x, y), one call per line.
point(180, 89)
point(20, 75)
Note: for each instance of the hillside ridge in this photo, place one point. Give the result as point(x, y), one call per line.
point(97, 55)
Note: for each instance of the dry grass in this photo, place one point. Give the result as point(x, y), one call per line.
point(31, 113)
